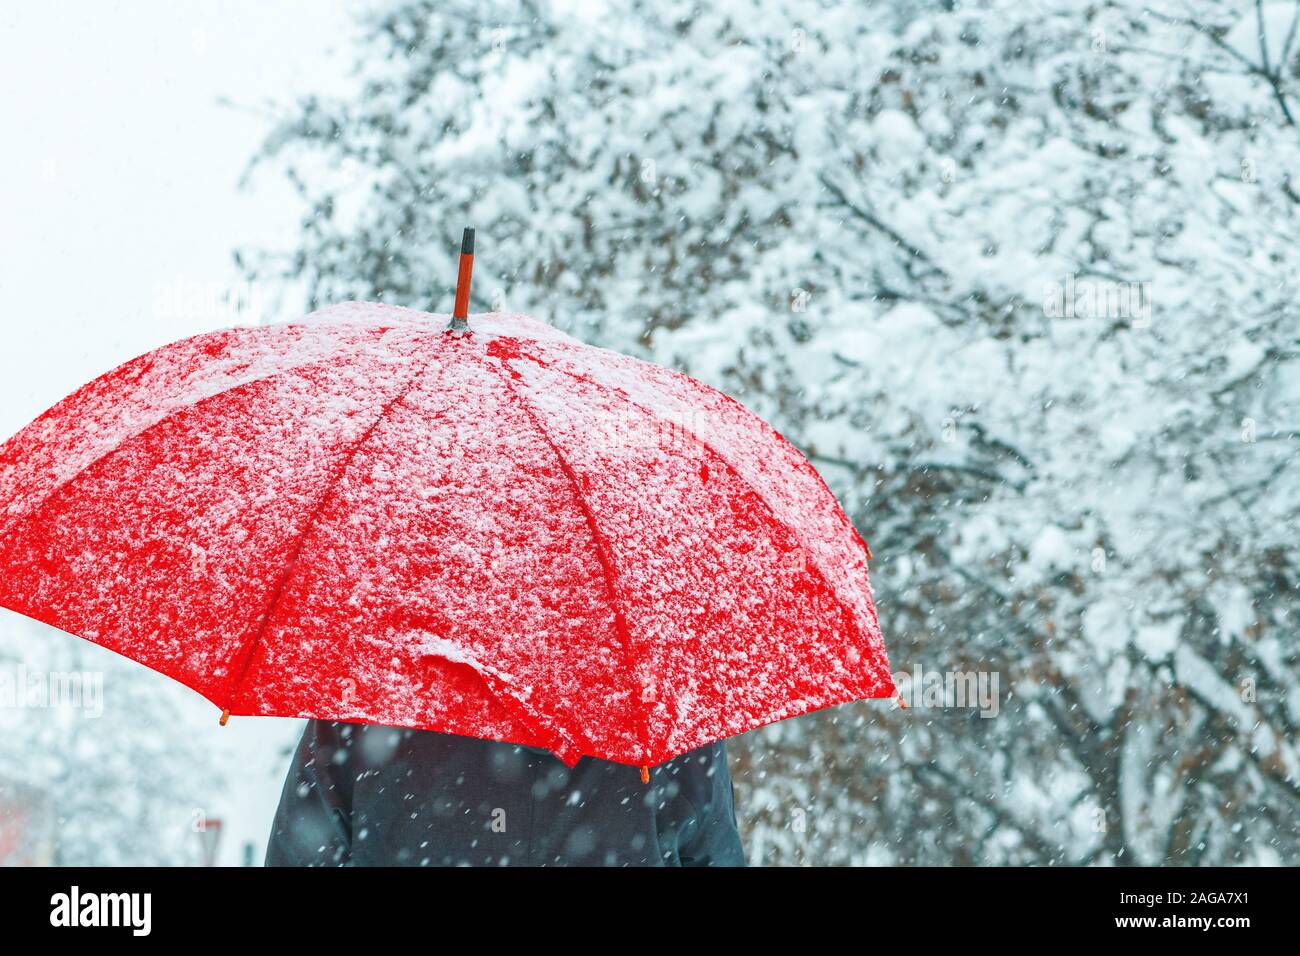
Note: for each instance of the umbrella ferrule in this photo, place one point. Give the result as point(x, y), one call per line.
point(460, 313)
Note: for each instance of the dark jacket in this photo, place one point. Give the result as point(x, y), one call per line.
point(378, 796)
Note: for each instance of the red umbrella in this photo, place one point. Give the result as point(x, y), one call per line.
point(500, 533)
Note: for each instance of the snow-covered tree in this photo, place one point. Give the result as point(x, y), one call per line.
point(1020, 278)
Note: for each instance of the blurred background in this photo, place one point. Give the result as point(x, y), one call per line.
point(1018, 277)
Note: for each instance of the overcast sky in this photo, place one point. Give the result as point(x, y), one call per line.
point(120, 169)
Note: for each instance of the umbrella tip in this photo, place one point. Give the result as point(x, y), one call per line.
point(460, 314)
point(645, 774)
point(225, 716)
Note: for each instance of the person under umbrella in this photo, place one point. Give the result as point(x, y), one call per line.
point(361, 795)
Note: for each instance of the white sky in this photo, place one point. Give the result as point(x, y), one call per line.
point(120, 178)
point(121, 168)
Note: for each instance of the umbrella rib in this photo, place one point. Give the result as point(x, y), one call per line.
point(717, 455)
point(310, 523)
point(598, 539)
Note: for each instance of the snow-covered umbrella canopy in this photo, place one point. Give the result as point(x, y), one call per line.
point(502, 533)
